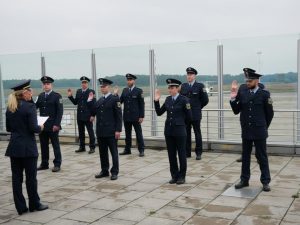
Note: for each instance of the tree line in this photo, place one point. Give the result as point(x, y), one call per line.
point(143, 80)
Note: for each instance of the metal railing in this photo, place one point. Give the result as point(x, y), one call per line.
point(283, 129)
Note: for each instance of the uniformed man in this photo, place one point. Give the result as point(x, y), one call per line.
point(256, 113)
point(198, 97)
point(108, 127)
point(21, 121)
point(50, 105)
point(262, 86)
point(133, 114)
point(178, 111)
point(84, 118)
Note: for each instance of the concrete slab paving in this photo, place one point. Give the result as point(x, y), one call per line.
point(142, 194)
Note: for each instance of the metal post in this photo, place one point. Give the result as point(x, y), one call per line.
point(152, 91)
point(220, 92)
point(94, 79)
point(298, 91)
point(2, 103)
point(94, 74)
point(43, 65)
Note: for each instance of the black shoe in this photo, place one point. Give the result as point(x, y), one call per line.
point(142, 154)
point(198, 157)
point(41, 207)
point(55, 169)
point(101, 174)
point(114, 177)
point(239, 159)
point(81, 149)
point(180, 181)
point(23, 211)
point(241, 184)
point(125, 152)
point(92, 150)
point(173, 181)
point(266, 187)
point(43, 167)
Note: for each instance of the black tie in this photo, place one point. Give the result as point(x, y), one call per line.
point(251, 92)
point(46, 95)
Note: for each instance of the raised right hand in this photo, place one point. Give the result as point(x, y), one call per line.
point(157, 95)
point(116, 90)
point(91, 96)
point(234, 89)
point(69, 92)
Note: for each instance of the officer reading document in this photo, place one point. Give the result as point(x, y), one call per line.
point(84, 118)
point(178, 112)
point(21, 122)
point(254, 105)
point(108, 127)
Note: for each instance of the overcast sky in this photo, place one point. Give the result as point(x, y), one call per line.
point(50, 25)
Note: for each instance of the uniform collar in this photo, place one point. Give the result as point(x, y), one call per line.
point(48, 93)
point(192, 83)
point(175, 97)
point(254, 90)
point(131, 88)
point(83, 90)
point(107, 95)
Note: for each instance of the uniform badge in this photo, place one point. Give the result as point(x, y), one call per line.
point(60, 100)
point(188, 106)
point(270, 101)
point(119, 104)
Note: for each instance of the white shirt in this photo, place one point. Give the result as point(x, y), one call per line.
point(192, 83)
point(108, 94)
point(175, 97)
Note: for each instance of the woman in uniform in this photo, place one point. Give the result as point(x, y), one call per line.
point(21, 121)
point(178, 112)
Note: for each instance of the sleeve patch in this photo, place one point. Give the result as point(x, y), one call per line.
point(270, 101)
point(119, 104)
point(204, 89)
point(188, 106)
point(60, 100)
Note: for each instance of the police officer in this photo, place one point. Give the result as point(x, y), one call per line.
point(178, 111)
point(108, 127)
point(133, 114)
point(197, 94)
point(50, 104)
point(83, 114)
point(21, 121)
point(256, 113)
point(262, 86)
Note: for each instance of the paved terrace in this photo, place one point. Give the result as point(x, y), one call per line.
point(142, 195)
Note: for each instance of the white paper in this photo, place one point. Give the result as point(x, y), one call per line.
point(42, 120)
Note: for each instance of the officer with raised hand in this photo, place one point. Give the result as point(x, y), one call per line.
point(84, 118)
point(178, 112)
point(254, 105)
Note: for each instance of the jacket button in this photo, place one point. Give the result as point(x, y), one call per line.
point(250, 116)
point(249, 124)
